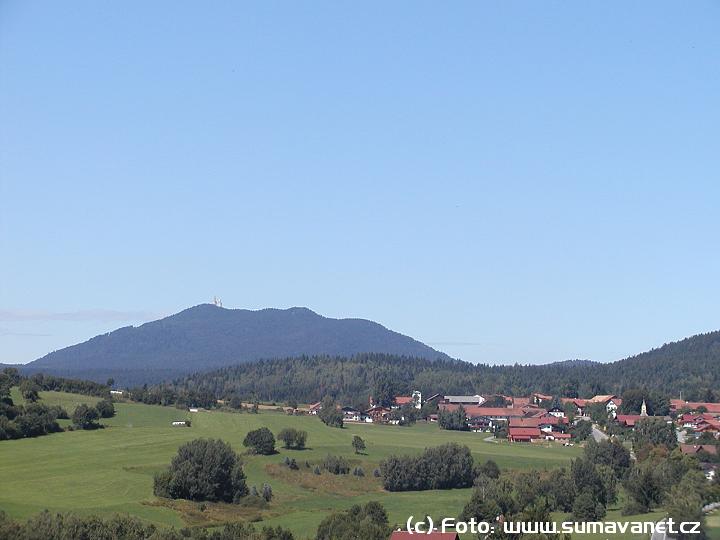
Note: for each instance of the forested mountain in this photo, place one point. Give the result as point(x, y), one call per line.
point(691, 366)
point(207, 337)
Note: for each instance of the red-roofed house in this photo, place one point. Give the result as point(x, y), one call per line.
point(537, 398)
point(523, 434)
point(678, 404)
point(378, 414)
point(415, 400)
point(557, 436)
point(520, 402)
point(493, 413)
point(580, 404)
point(628, 420)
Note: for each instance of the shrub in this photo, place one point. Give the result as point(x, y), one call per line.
point(336, 464)
point(105, 408)
point(85, 417)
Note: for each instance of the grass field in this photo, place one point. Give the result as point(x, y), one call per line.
point(110, 470)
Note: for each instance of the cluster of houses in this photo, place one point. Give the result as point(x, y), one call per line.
point(532, 419)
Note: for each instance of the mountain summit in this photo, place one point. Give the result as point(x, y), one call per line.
point(207, 336)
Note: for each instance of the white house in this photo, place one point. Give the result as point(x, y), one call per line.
point(180, 423)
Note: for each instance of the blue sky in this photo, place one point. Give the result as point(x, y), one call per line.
point(507, 181)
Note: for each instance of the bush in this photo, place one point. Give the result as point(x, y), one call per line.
point(105, 408)
point(85, 417)
point(336, 464)
point(358, 471)
point(260, 441)
point(203, 470)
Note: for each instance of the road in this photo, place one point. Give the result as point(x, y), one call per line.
point(597, 434)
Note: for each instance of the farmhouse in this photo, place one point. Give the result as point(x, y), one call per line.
point(378, 414)
point(611, 402)
point(679, 404)
point(579, 404)
point(523, 434)
point(315, 408)
point(181, 423)
point(537, 398)
point(351, 414)
point(415, 400)
point(497, 414)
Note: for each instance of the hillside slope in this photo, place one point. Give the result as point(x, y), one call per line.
point(206, 337)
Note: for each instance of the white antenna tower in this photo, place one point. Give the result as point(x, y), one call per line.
point(217, 301)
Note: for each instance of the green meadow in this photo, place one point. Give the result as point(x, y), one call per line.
point(111, 470)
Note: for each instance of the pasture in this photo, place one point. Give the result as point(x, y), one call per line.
point(111, 470)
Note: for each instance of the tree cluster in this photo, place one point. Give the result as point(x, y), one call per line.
point(203, 470)
point(442, 467)
point(292, 438)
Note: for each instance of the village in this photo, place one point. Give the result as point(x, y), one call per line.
point(541, 417)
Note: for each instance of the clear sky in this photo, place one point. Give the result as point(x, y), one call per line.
point(506, 181)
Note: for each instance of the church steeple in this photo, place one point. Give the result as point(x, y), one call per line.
point(643, 409)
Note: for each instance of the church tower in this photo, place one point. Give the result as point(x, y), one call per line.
point(643, 409)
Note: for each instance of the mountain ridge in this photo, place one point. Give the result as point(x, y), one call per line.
point(206, 337)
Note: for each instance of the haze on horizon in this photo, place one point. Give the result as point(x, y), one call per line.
point(505, 182)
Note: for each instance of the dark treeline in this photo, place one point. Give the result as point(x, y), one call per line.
point(691, 366)
point(64, 526)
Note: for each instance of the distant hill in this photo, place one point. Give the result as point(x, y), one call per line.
point(690, 366)
point(206, 337)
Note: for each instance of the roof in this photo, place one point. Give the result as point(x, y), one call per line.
point(694, 405)
point(543, 397)
point(524, 432)
point(695, 448)
point(315, 405)
point(629, 419)
point(403, 400)
point(521, 401)
point(603, 398)
point(579, 402)
point(475, 410)
point(377, 408)
point(535, 421)
point(464, 399)
point(560, 435)
point(404, 535)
